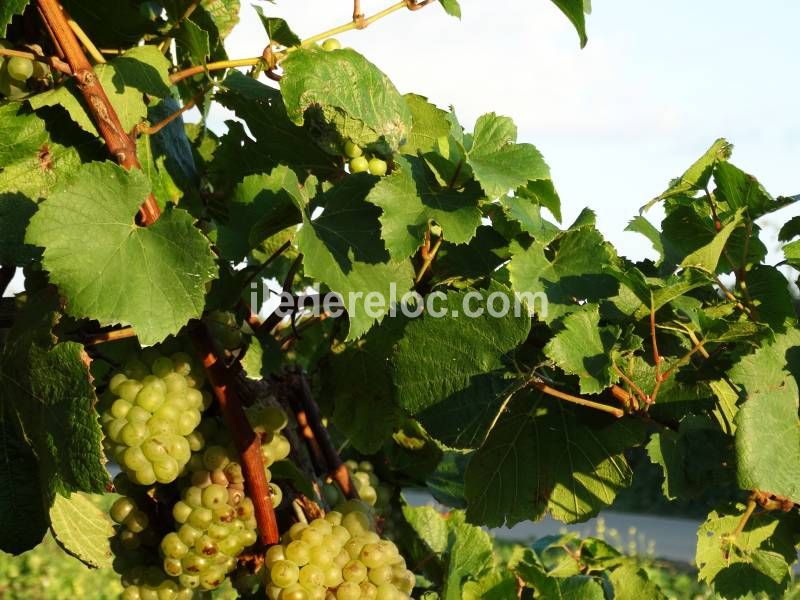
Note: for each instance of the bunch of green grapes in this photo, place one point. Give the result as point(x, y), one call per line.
point(150, 583)
point(214, 522)
point(134, 543)
point(214, 519)
point(16, 71)
point(337, 557)
point(367, 484)
point(361, 163)
point(151, 411)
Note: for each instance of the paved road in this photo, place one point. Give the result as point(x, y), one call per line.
point(668, 538)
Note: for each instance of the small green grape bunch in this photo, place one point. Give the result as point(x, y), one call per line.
point(367, 484)
point(337, 557)
point(17, 71)
point(149, 583)
point(214, 522)
point(152, 409)
point(363, 163)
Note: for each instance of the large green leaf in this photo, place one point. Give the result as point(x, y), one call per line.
point(698, 175)
point(152, 278)
point(768, 428)
point(8, 9)
point(359, 380)
point(574, 10)
point(126, 79)
point(278, 140)
point(278, 30)
point(707, 257)
point(346, 97)
point(631, 582)
point(540, 457)
point(429, 125)
point(342, 249)
point(32, 162)
point(585, 349)
point(756, 561)
point(498, 162)
point(569, 276)
point(82, 529)
point(455, 349)
point(49, 387)
point(411, 199)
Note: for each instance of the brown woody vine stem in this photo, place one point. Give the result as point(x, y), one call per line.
point(428, 260)
point(103, 337)
point(335, 467)
point(247, 442)
point(119, 144)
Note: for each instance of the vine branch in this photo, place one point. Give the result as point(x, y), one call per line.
point(308, 411)
point(247, 442)
point(119, 144)
point(551, 391)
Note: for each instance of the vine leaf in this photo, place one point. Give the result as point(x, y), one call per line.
point(359, 379)
point(757, 561)
point(410, 199)
point(48, 386)
point(707, 257)
point(697, 176)
point(585, 349)
point(82, 529)
point(151, 278)
point(575, 11)
point(429, 125)
point(278, 30)
point(451, 7)
point(278, 139)
point(341, 96)
point(8, 10)
point(630, 582)
point(141, 70)
point(465, 549)
point(23, 517)
point(194, 41)
point(572, 274)
point(498, 162)
point(342, 248)
point(767, 425)
point(540, 458)
point(454, 351)
point(32, 163)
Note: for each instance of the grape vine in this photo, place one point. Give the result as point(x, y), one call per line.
point(440, 329)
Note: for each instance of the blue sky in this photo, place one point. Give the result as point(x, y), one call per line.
point(656, 85)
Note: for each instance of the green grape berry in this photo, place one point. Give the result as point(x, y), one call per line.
point(331, 44)
point(19, 69)
point(377, 167)
point(352, 150)
point(359, 165)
